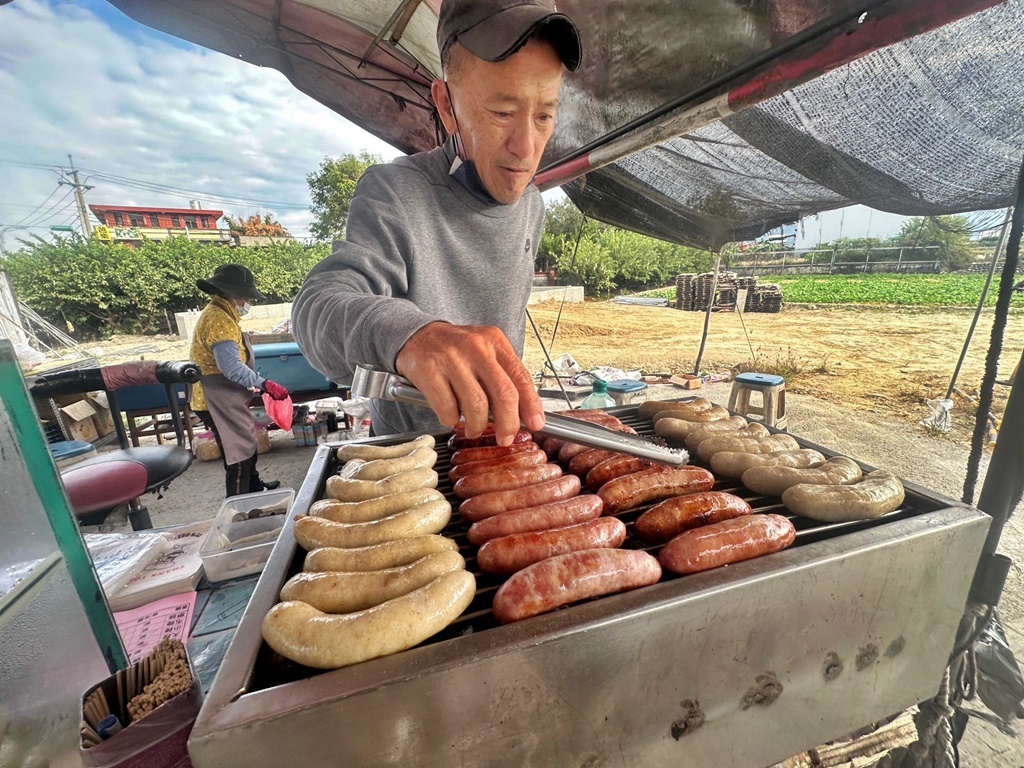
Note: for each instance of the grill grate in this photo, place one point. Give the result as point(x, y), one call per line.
point(272, 670)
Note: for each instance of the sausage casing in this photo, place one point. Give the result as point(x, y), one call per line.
point(347, 489)
point(372, 509)
point(305, 635)
point(345, 592)
point(512, 461)
point(496, 502)
point(878, 493)
point(616, 467)
point(558, 514)
point(586, 461)
point(653, 484)
point(375, 557)
point(514, 552)
point(565, 579)
point(730, 541)
point(680, 513)
point(459, 439)
point(504, 480)
point(776, 442)
point(698, 436)
point(735, 463)
point(378, 469)
point(671, 427)
point(648, 408)
point(773, 481)
point(431, 517)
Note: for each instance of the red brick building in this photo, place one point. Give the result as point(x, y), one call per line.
point(131, 224)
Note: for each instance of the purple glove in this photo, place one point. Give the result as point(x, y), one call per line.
point(275, 390)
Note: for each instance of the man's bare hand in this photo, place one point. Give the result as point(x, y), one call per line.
point(469, 370)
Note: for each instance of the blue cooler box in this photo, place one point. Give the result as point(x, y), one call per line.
point(285, 364)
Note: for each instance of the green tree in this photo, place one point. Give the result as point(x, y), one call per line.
point(331, 188)
point(949, 233)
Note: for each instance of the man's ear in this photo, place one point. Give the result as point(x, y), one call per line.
point(439, 93)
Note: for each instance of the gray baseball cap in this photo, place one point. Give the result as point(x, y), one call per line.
point(495, 29)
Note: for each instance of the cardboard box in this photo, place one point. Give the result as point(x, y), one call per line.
point(103, 420)
point(78, 420)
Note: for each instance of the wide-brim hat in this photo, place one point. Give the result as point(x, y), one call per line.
point(493, 30)
point(234, 281)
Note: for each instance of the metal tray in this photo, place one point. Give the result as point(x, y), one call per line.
point(853, 623)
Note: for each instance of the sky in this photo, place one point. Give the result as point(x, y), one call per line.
point(126, 101)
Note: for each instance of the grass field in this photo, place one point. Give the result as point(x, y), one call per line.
point(951, 290)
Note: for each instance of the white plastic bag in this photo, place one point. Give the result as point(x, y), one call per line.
point(940, 420)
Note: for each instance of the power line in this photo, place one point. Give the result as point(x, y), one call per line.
point(150, 186)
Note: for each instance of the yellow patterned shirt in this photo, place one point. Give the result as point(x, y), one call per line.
point(218, 322)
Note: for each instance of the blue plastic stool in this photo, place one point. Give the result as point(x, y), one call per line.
point(772, 410)
point(626, 391)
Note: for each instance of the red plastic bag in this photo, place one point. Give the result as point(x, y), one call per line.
point(279, 410)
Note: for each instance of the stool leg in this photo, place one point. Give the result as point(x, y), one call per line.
point(743, 402)
point(734, 397)
point(769, 412)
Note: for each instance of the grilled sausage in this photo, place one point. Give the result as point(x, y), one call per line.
point(595, 415)
point(776, 442)
point(512, 461)
point(345, 592)
point(730, 541)
point(372, 452)
point(490, 452)
point(346, 489)
point(772, 481)
point(431, 517)
point(558, 514)
point(586, 461)
point(372, 509)
point(653, 484)
point(698, 436)
point(505, 480)
point(551, 446)
point(878, 493)
point(564, 579)
point(571, 450)
point(673, 428)
point(649, 408)
point(616, 467)
point(305, 635)
point(673, 516)
point(459, 440)
point(490, 504)
point(378, 469)
point(377, 556)
point(715, 413)
point(514, 552)
point(735, 463)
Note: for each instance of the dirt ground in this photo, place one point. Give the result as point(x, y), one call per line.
point(856, 382)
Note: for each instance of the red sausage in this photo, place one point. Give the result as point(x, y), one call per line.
point(551, 447)
point(673, 516)
point(505, 480)
point(729, 541)
point(616, 467)
point(565, 579)
point(489, 452)
point(496, 502)
point(459, 440)
point(508, 554)
point(653, 484)
point(586, 461)
point(595, 415)
point(512, 461)
point(570, 450)
point(559, 514)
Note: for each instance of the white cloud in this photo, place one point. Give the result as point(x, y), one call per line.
point(130, 103)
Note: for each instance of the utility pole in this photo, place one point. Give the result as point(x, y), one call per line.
point(80, 189)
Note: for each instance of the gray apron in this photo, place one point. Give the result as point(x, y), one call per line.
point(228, 403)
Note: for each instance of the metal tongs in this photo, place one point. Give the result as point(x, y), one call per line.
point(382, 385)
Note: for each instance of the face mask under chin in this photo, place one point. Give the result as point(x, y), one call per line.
point(244, 309)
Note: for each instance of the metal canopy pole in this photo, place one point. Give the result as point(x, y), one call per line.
point(707, 314)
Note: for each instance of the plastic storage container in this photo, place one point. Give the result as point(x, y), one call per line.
point(285, 364)
point(599, 397)
point(240, 540)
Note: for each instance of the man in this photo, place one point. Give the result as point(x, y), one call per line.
point(435, 272)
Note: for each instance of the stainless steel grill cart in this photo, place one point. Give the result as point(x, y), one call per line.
point(742, 666)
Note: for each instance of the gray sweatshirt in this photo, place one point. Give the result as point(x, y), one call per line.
point(419, 248)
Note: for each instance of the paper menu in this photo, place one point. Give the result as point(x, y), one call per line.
point(142, 628)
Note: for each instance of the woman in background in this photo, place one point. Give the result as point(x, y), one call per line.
point(225, 358)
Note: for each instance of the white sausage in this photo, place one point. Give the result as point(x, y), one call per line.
point(344, 489)
point(379, 469)
point(371, 452)
point(735, 463)
point(778, 442)
point(878, 493)
point(313, 532)
point(305, 635)
point(339, 592)
point(698, 436)
point(377, 556)
point(675, 428)
point(372, 509)
point(772, 481)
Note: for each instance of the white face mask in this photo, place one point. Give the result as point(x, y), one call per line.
point(244, 309)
